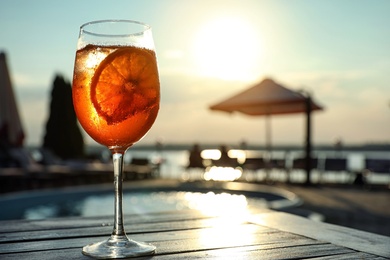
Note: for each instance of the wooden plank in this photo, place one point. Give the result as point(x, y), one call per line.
point(8, 226)
point(190, 235)
point(213, 237)
point(273, 240)
point(107, 230)
point(163, 247)
point(97, 231)
point(54, 245)
point(250, 252)
point(50, 240)
point(351, 256)
point(258, 252)
point(342, 236)
point(206, 238)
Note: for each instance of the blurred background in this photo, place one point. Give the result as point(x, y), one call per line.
point(336, 51)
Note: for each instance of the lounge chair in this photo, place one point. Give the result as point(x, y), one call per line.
point(336, 165)
point(378, 166)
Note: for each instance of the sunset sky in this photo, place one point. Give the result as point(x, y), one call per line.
point(339, 50)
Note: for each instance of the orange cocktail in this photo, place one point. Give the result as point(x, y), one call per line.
point(116, 96)
point(116, 93)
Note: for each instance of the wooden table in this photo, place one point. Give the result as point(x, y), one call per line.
point(189, 234)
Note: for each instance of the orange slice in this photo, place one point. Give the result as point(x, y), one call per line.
point(125, 83)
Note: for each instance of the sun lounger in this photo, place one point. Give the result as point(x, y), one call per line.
point(254, 164)
point(336, 165)
point(300, 163)
point(377, 166)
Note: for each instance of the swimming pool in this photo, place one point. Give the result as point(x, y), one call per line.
point(145, 197)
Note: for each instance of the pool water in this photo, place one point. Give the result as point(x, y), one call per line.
point(144, 202)
point(142, 197)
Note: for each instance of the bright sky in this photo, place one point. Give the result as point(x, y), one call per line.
point(210, 50)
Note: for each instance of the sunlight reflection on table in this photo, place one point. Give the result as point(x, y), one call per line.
point(231, 210)
point(227, 234)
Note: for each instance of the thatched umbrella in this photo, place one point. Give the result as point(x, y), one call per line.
point(269, 98)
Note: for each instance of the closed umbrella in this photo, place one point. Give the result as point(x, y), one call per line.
point(11, 130)
point(270, 98)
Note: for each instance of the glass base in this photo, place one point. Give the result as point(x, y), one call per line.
point(118, 247)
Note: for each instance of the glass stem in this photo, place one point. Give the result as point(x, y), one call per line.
point(118, 179)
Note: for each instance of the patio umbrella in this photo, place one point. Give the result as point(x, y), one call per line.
point(11, 130)
point(269, 98)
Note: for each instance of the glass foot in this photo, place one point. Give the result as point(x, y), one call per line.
point(118, 247)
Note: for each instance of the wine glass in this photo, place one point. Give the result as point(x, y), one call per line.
point(116, 96)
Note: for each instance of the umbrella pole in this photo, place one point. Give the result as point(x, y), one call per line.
point(308, 141)
point(268, 146)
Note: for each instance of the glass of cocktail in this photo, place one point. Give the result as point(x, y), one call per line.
point(116, 96)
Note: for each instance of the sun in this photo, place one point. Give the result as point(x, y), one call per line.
point(228, 48)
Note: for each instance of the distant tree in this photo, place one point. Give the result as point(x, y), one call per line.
point(63, 136)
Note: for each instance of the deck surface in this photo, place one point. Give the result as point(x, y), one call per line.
point(190, 234)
